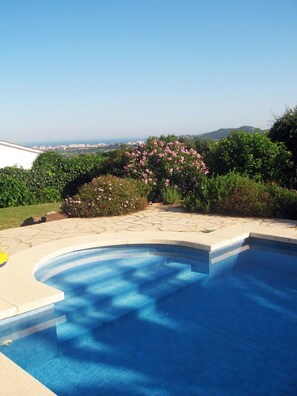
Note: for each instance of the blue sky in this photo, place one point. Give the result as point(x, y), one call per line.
point(96, 69)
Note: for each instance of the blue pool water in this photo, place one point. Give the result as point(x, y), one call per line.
point(165, 320)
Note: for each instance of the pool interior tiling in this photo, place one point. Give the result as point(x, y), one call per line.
point(233, 334)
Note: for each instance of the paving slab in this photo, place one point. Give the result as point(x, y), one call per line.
point(154, 218)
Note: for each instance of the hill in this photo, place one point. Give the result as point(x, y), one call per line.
point(224, 132)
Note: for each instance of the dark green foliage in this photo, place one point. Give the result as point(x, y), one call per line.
point(64, 175)
point(252, 155)
point(285, 130)
point(230, 194)
point(245, 197)
point(233, 194)
point(284, 202)
point(105, 196)
point(115, 162)
point(47, 172)
point(14, 192)
point(14, 187)
point(52, 177)
point(48, 194)
point(15, 172)
point(80, 170)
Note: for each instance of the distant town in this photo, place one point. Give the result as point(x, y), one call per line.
point(85, 148)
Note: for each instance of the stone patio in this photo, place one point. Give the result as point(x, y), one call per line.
point(155, 218)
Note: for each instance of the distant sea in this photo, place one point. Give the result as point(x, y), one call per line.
point(82, 141)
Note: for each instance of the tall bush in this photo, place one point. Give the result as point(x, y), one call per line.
point(284, 130)
point(162, 163)
point(252, 155)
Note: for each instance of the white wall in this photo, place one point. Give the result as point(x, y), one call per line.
point(16, 155)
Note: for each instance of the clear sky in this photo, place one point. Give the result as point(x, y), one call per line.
point(101, 69)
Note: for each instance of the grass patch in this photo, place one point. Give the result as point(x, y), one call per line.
point(15, 216)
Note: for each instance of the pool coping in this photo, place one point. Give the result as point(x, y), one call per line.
point(21, 266)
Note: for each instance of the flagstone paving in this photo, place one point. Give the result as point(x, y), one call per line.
point(155, 218)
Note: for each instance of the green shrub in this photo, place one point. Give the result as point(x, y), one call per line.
point(48, 194)
point(284, 202)
point(81, 170)
point(14, 192)
point(251, 155)
point(230, 194)
point(246, 198)
point(144, 190)
point(65, 175)
point(201, 199)
point(171, 196)
point(47, 171)
point(105, 196)
point(15, 172)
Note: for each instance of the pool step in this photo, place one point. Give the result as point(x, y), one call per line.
point(101, 294)
point(75, 281)
point(107, 277)
point(87, 261)
point(82, 327)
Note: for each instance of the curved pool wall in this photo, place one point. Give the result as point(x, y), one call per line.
point(245, 281)
point(251, 252)
point(39, 295)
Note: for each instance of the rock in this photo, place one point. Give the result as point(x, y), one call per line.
point(31, 220)
point(52, 216)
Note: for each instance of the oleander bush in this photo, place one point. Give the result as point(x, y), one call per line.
point(163, 163)
point(105, 196)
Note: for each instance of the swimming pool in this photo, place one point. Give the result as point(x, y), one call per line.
point(153, 327)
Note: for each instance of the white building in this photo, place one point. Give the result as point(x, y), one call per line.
point(12, 154)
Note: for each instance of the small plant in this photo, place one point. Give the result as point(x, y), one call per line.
point(105, 196)
point(171, 196)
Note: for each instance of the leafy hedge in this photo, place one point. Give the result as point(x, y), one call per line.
point(105, 196)
point(50, 179)
point(233, 194)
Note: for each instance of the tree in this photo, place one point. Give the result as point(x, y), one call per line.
point(284, 130)
point(252, 155)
